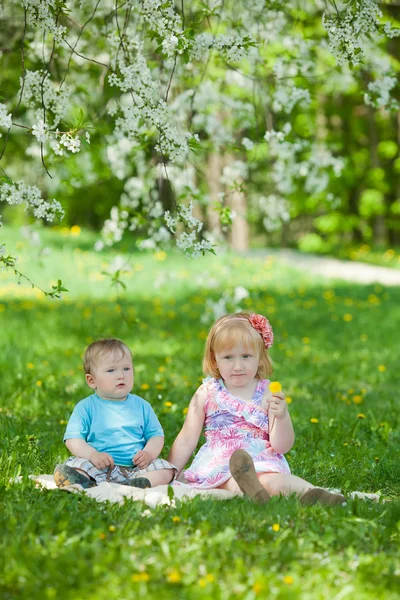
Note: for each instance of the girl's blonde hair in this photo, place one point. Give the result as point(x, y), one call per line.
point(228, 331)
point(104, 346)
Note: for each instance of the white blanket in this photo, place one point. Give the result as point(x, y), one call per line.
point(152, 497)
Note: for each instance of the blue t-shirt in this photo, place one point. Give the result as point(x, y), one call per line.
point(119, 427)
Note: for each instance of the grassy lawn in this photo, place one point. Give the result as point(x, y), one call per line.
point(336, 355)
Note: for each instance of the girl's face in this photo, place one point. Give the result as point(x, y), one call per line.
point(238, 365)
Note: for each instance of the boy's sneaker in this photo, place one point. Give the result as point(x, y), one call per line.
point(139, 482)
point(65, 475)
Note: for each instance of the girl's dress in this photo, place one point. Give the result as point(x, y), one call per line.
point(230, 424)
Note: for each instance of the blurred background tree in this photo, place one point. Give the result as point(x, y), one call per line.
point(209, 122)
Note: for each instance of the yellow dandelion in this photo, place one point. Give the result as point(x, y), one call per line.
point(30, 365)
point(112, 528)
point(202, 582)
point(161, 255)
point(360, 416)
point(161, 369)
point(39, 383)
point(345, 444)
point(289, 399)
point(145, 386)
point(75, 230)
point(258, 587)
point(288, 579)
point(381, 368)
point(137, 577)
point(357, 399)
point(174, 576)
point(275, 386)
point(210, 577)
point(168, 404)
point(176, 519)
point(62, 422)
point(102, 536)
point(314, 420)
point(347, 317)
point(276, 527)
point(185, 410)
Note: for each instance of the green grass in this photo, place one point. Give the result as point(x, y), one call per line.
point(336, 354)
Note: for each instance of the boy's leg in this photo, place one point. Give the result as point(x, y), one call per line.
point(161, 477)
point(159, 472)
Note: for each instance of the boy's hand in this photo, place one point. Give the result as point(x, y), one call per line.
point(277, 405)
point(101, 460)
point(142, 459)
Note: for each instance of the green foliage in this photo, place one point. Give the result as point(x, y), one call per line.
point(372, 203)
point(336, 366)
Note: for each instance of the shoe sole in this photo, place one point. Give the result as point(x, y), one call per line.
point(64, 476)
point(243, 472)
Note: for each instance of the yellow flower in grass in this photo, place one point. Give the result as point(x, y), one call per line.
point(174, 576)
point(276, 527)
point(30, 365)
point(289, 399)
point(288, 579)
point(313, 420)
point(75, 230)
point(357, 399)
point(275, 386)
point(145, 386)
point(381, 368)
point(361, 416)
point(136, 577)
point(176, 519)
point(348, 317)
point(168, 404)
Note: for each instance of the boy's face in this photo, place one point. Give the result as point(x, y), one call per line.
point(112, 376)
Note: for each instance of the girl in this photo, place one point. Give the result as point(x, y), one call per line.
point(247, 427)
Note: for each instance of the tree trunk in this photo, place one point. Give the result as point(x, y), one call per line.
point(214, 171)
point(239, 235)
point(379, 224)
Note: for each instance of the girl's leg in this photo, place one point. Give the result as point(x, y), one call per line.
point(242, 469)
point(275, 484)
point(281, 484)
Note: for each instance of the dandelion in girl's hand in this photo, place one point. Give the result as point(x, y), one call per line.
point(275, 386)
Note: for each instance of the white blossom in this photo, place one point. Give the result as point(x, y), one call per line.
point(5, 119)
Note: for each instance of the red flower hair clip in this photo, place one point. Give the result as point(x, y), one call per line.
point(262, 325)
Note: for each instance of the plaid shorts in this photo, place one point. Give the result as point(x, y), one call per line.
point(118, 474)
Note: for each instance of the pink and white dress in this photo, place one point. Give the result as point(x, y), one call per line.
point(230, 424)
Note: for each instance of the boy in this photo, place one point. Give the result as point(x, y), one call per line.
point(114, 435)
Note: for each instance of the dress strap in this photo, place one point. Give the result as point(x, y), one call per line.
point(259, 391)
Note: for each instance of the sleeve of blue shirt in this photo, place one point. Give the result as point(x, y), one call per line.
point(79, 423)
point(152, 426)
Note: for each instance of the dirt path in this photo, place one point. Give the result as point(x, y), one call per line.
point(334, 268)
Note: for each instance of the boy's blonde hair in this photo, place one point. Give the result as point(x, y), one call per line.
point(228, 331)
point(104, 346)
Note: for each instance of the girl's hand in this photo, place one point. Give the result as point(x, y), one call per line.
point(101, 460)
point(277, 405)
point(142, 459)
